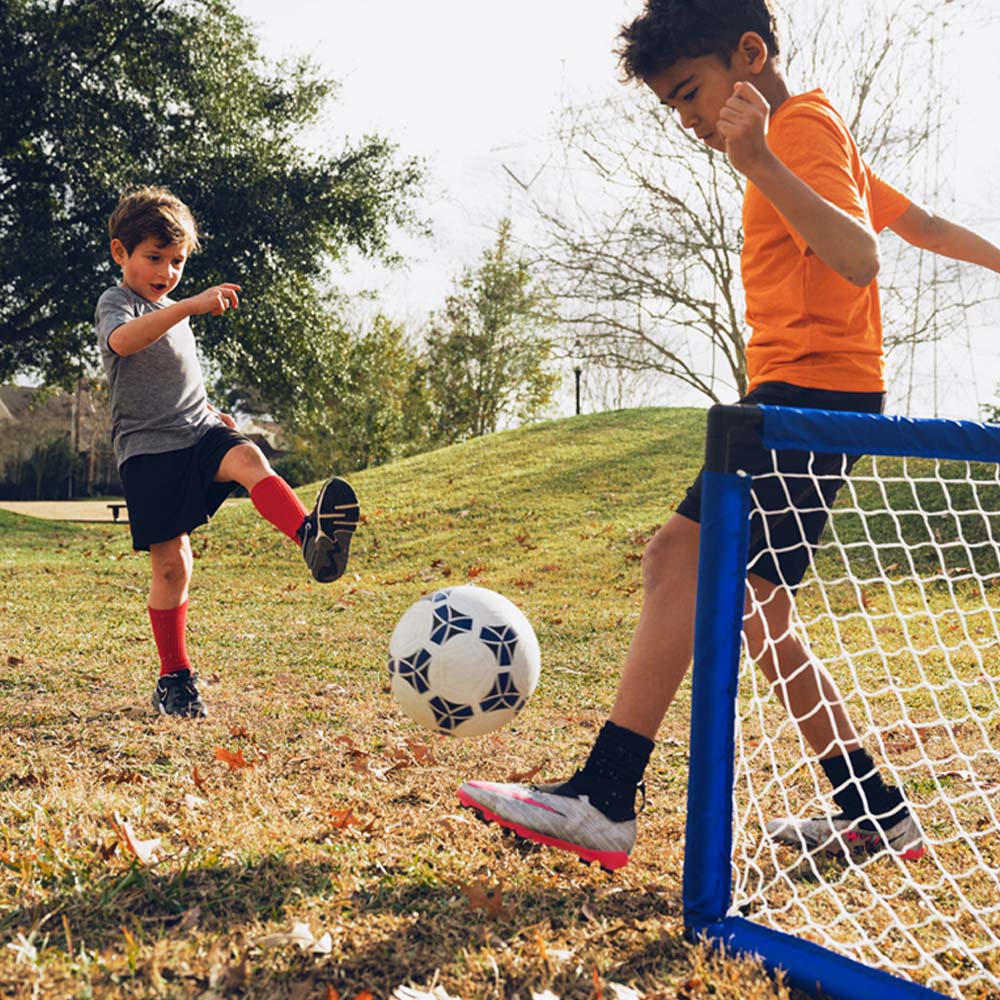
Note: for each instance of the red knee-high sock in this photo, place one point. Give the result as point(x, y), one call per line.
point(169, 626)
point(274, 499)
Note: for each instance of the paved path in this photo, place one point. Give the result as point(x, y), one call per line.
point(67, 510)
point(79, 510)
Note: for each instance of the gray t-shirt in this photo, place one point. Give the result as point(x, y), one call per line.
point(158, 400)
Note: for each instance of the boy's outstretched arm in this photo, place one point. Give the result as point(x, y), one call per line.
point(931, 232)
point(137, 334)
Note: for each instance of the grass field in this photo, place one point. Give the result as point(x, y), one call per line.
point(345, 819)
point(305, 840)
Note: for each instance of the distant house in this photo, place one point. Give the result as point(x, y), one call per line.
point(32, 422)
point(266, 434)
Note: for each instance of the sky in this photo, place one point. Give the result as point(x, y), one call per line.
point(475, 87)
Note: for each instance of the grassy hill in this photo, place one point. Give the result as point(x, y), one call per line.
point(347, 818)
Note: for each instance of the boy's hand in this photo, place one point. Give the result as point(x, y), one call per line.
point(224, 417)
point(743, 125)
point(215, 300)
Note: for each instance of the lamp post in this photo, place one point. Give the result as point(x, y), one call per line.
point(577, 373)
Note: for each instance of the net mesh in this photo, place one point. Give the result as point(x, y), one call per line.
point(900, 606)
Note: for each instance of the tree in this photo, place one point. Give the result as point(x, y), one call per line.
point(98, 97)
point(380, 411)
point(486, 355)
point(643, 251)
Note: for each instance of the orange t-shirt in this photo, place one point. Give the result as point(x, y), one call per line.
point(809, 326)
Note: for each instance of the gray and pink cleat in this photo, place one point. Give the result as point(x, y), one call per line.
point(566, 821)
point(838, 835)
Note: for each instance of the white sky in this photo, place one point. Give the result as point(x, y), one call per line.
point(470, 85)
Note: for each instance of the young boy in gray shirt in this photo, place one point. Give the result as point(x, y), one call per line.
point(178, 457)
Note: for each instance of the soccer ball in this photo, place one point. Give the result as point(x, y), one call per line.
point(463, 661)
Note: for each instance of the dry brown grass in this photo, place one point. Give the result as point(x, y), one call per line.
point(347, 819)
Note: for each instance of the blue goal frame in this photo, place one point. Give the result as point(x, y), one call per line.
point(725, 514)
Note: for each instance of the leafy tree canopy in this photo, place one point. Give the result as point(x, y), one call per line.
point(97, 97)
point(486, 355)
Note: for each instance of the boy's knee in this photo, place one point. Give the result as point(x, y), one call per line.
point(672, 552)
point(172, 561)
point(246, 462)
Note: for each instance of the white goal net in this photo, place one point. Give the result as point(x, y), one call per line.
point(901, 605)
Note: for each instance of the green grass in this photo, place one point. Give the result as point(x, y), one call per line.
point(555, 516)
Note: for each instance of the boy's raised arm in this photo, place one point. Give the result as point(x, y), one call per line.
point(841, 241)
point(137, 334)
point(928, 231)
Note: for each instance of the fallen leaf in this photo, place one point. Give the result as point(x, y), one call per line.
point(301, 934)
point(123, 777)
point(106, 848)
point(422, 753)
point(144, 850)
point(199, 781)
point(15, 661)
point(452, 820)
point(240, 732)
point(343, 818)
point(517, 777)
point(234, 760)
point(30, 779)
point(491, 900)
point(623, 992)
point(415, 993)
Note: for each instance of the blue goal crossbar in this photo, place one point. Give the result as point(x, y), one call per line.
point(725, 515)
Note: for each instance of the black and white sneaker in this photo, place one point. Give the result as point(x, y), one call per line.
point(327, 530)
point(177, 694)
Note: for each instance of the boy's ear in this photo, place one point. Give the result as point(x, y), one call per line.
point(752, 49)
point(118, 252)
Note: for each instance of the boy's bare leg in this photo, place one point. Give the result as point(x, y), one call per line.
point(662, 648)
point(807, 691)
point(662, 645)
point(170, 564)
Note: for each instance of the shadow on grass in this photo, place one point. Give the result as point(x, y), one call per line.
point(401, 927)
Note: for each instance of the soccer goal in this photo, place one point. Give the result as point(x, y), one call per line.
point(902, 605)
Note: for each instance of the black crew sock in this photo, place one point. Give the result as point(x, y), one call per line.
point(613, 772)
point(864, 793)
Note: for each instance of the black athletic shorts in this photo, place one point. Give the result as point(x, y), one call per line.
point(788, 515)
point(171, 493)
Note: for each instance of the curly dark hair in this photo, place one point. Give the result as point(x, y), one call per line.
point(670, 30)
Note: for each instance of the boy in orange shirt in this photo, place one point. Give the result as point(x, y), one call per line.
point(811, 211)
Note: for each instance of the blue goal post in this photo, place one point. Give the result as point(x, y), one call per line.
point(725, 526)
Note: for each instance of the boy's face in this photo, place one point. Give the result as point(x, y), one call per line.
point(698, 88)
point(151, 270)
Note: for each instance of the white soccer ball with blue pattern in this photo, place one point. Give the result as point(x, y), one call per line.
point(463, 661)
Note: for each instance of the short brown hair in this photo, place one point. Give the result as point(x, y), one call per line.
point(153, 212)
